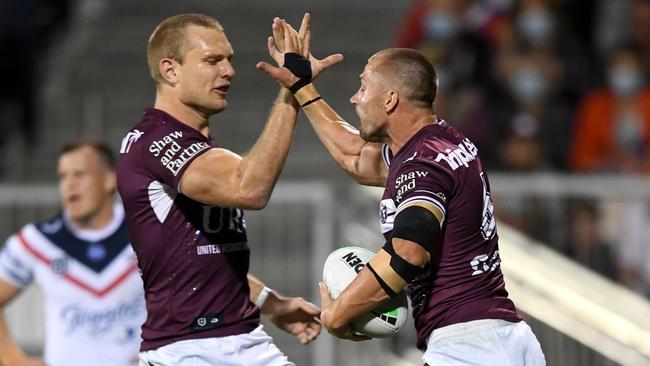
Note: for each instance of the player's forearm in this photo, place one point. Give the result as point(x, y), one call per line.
point(255, 286)
point(261, 167)
point(265, 299)
point(362, 295)
point(341, 139)
point(9, 350)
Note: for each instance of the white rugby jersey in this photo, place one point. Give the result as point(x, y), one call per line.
point(92, 292)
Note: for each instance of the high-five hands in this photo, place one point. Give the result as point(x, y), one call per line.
point(297, 67)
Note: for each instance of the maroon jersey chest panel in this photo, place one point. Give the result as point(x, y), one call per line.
point(193, 257)
point(463, 282)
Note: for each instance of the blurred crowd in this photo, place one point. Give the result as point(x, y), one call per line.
point(27, 28)
point(551, 85)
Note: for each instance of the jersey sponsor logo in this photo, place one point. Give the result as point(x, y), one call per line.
point(207, 322)
point(406, 182)
point(129, 140)
point(221, 248)
point(171, 154)
point(214, 217)
point(484, 263)
point(98, 322)
point(167, 143)
point(464, 153)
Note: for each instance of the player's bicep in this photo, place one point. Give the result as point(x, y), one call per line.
point(213, 178)
point(369, 167)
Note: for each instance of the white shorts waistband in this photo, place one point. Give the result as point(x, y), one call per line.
point(460, 329)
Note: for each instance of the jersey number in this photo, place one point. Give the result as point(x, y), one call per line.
point(488, 222)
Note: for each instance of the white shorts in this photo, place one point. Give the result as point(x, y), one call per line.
point(249, 349)
point(484, 342)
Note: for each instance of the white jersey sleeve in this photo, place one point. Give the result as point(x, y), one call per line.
point(16, 263)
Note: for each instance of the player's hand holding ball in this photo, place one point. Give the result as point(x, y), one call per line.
point(340, 269)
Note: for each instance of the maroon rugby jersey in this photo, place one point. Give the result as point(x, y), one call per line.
point(463, 281)
point(193, 257)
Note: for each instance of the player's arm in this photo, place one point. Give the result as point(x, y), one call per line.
point(10, 353)
point(291, 314)
point(360, 159)
point(416, 230)
point(222, 178)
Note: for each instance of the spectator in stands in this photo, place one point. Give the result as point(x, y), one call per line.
point(530, 118)
point(541, 30)
point(585, 244)
point(612, 125)
point(632, 247)
point(622, 21)
point(439, 29)
point(640, 32)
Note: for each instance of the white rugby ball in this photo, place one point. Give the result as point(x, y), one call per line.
point(341, 267)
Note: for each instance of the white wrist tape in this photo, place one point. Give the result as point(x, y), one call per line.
point(261, 298)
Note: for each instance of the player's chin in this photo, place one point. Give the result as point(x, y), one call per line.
point(218, 105)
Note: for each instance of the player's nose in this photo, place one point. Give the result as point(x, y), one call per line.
point(228, 70)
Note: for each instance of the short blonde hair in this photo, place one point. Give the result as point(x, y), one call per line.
point(169, 40)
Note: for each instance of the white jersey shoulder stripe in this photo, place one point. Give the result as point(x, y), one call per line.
point(72, 278)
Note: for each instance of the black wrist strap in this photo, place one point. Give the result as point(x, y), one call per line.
point(311, 101)
point(300, 67)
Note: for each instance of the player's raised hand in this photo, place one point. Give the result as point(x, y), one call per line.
point(285, 46)
point(344, 332)
point(293, 315)
point(317, 65)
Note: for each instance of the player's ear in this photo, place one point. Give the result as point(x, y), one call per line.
point(391, 102)
point(169, 70)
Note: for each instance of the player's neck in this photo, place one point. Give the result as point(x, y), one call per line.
point(183, 113)
point(406, 126)
point(97, 220)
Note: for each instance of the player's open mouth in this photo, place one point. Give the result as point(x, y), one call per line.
point(222, 90)
point(74, 198)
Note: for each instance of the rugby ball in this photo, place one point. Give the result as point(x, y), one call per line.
point(341, 267)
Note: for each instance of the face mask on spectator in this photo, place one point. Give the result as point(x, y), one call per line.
point(528, 84)
point(629, 136)
point(442, 26)
point(535, 25)
point(625, 81)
